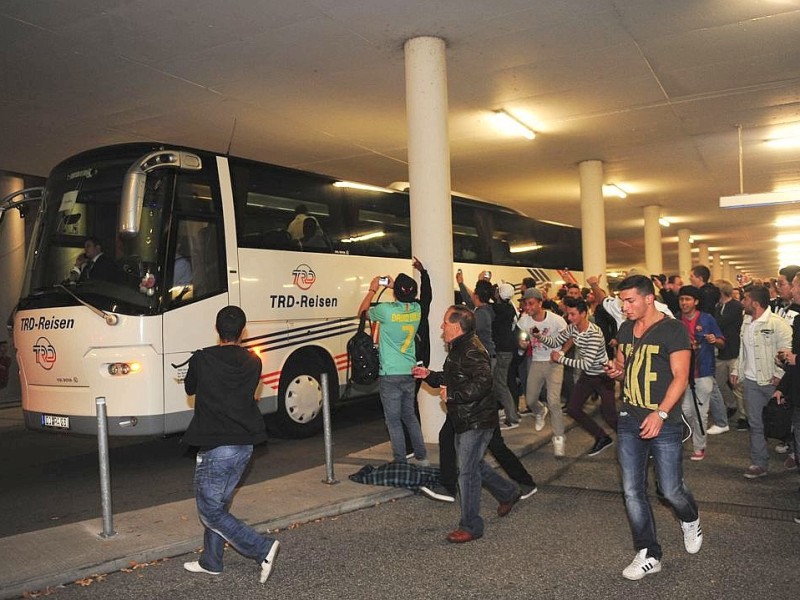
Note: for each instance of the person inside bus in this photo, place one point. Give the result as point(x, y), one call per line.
point(93, 264)
point(313, 237)
point(295, 228)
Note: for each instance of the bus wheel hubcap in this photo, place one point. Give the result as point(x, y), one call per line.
point(303, 398)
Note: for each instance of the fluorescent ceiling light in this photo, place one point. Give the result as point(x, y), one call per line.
point(612, 189)
point(524, 248)
point(788, 238)
point(361, 186)
point(513, 125)
point(363, 238)
point(762, 199)
point(784, 142)
point(788, 221)
point(664, 222)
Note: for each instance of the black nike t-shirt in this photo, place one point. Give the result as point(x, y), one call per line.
point(647, 369)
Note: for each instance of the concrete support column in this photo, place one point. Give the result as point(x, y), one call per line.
point(429, 181)
point(684, 254)
point(593, 218)
point(727, 273)
point(652, 239)
point(716, 266)
point(702, 255)
point(12, 266)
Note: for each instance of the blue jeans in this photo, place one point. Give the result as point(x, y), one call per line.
point(667, 453)
point(216, 476)
point(500, 386)
point(718, 409)
point(474, 472)
point(756, 398)
point(397, 396)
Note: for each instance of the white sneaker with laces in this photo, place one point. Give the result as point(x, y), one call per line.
point(782, 448)
point(194, 567)
point(269, 562)
point(558, 445)
point(538, 423)
point(716, 430)
point(642, 565)
point(692, 536)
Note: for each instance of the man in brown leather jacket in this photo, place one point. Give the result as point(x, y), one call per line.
point(465, 385)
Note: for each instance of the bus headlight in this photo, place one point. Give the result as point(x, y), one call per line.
point(122, 368)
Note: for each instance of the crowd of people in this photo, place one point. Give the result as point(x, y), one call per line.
point(698, 355)
point(692, 361)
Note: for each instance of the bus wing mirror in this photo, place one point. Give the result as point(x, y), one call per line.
point(133, 187)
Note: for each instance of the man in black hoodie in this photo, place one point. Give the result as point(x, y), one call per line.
point(225, 426)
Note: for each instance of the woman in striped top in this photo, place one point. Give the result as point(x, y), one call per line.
point(593, 357)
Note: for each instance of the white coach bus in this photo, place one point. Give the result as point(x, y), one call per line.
point(190, 232)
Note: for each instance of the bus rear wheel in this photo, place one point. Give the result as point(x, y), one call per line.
point(300, 398)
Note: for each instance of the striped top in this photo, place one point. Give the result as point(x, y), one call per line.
point(591, 346)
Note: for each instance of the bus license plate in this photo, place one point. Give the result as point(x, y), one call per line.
point(55, 421)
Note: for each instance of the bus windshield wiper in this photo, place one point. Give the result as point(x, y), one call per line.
point(109, 318)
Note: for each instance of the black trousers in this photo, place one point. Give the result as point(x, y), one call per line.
point(507, 460)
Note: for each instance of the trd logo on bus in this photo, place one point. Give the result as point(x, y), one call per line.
point(304, 277)
point(45, 353)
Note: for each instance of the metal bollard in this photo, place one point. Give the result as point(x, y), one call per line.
point(327, 435)
point(105, 472)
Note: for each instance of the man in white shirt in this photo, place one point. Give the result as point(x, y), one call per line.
point(541, 371)
point(763, 335)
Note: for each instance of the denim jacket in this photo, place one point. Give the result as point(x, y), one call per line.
point(771, 334)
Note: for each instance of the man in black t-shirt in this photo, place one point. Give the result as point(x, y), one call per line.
point(653, 355)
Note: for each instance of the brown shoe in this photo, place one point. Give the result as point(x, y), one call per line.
point(459, 536)
point(505, 507)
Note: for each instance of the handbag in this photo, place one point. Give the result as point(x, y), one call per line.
point(777, 419)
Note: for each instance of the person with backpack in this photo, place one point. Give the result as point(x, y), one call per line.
point(398, 323)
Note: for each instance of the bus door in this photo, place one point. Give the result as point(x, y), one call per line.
point(196, 287)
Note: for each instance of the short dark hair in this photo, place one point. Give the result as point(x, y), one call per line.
point(93, 239)
point(484, 290)
point(702, 272)
point(760, 294)
point(643, 285)
point(230, 323)
point(789, 271)
point(672, 278)
point(529, 282)
point(463, 316)
point(578, 303)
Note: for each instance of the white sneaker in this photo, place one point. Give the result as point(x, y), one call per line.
point(420, 462)
point(558, 445)
point(194, 567)
point(538, 420)
point(269, 562)
point(782, 448)
point(642, 565)
point(692, 536)
point(716, 430)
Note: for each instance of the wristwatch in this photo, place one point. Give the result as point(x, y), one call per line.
point(664, 415)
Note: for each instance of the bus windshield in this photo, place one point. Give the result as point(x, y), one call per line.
point(81, 202)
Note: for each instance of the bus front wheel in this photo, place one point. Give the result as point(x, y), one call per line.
point(300, 398)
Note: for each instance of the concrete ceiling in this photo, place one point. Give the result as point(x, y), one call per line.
point(653, 88)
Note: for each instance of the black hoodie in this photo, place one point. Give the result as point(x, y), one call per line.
point(224, 379)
